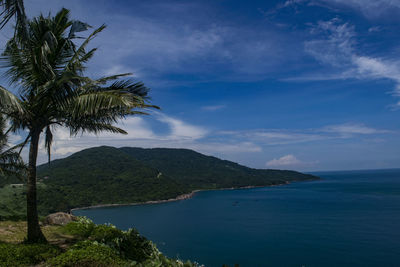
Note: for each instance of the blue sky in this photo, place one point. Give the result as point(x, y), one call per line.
point(298, 84)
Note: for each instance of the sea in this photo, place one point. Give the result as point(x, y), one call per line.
point(348, 218)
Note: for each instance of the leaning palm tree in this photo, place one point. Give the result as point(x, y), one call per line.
point(48, 69)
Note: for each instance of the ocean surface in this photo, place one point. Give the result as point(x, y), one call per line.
point(345, 219)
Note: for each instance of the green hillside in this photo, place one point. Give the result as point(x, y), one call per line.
point(101, 175)
point(196, 170)
point(105, 175)
point(6, 180)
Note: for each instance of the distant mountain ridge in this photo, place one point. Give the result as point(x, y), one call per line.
point(105, 175)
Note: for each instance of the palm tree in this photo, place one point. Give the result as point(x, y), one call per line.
point(48, 68)
point(10, 161)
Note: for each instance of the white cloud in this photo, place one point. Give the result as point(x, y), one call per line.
point(136, 127)
point(379, 68)
point(213, 108)
point(180, 129)
point(338, 49)
point(285, 161)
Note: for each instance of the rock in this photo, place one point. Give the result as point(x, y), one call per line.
point(59, 218)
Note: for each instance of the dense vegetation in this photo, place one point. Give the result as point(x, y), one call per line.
point(100, 176)
point(83, 243)
point(105, 175)
point(196, 170)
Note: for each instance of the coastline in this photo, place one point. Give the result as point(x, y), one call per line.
point(178, 198)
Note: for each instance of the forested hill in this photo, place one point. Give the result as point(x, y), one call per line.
point(105, 175)
point(196, 170)
point(102, 175)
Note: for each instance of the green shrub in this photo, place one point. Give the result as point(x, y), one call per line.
point(109, 246)
point(106, 233)
point(88, 254)
point(82, 228)
point(26, 254)
point(135, 247)
point(128, 244)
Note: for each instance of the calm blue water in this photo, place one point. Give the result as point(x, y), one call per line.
point(346, 219)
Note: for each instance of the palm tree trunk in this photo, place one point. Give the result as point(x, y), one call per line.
point(35, 235)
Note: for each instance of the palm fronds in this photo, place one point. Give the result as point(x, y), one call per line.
point(10, 160)
point(53, 89)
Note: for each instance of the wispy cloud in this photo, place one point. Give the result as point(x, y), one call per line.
point(336, 47)
point(369, 8)
point(273, 137)
point(335, 43)
point(213, 108)
point(350, 128)
point(182, 39)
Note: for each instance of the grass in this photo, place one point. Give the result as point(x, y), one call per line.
point(15, 232)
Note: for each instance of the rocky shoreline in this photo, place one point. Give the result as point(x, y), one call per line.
point(178, 198)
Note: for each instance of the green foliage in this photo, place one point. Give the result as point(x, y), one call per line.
point(11, 165)
point(82, 228)
point(9, 179)
point(106, 233)
point(133, 246)
point(12, 202)
point(96, 254)
point(88, 253)
point(128, 244)
point(26, 254)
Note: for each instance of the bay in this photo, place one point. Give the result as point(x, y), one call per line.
point(347, 218)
